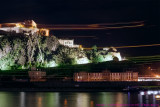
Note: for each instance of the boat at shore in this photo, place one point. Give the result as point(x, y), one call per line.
point(134, 89)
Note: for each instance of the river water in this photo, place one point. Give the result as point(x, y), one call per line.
point(79, 99)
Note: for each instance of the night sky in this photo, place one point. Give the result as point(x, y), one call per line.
point(93, 12)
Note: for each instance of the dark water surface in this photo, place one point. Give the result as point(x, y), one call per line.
point(79, 99)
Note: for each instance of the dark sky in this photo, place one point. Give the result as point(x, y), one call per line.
point(79, 11)
point(92, 12)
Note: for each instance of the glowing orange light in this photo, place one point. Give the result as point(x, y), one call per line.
point(44, 32)
point(65, 102)
point(47, 32)
point(19, 25)
point(92, 104)
point(157, 96)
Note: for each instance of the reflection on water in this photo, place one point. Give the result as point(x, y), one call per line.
point(22, 99)
point(78, 99)
point(83, 100)
point(92, 104)
point(65, 103)
point(150, 97)
point(39, 102)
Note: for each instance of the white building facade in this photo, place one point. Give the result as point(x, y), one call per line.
point(68, 42)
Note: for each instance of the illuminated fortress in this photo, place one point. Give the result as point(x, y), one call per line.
point(27, 27)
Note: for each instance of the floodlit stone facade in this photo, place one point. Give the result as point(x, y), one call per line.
point(106, 76)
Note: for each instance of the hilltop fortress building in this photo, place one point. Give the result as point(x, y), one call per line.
point(30, 27)
point(27, 27)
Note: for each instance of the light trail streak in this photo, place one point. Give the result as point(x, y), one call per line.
point(124, 27)
point(138, 46)
point(145, 59)
point(80, 36)
point(135, 46)
point(103, 26)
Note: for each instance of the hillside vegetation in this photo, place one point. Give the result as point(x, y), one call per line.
point(20, 51)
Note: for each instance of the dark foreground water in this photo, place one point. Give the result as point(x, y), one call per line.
point(79, 99)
